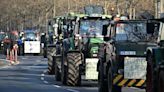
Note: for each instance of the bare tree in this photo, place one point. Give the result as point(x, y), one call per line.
point(19, 14)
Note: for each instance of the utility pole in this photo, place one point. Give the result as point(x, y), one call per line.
point(118, 10)
point(105, 5)
point(54, 14)
point(68, 5)
point(162, 6)
point(46, 20)
point(159, 7)
point(90, 2)
point(156, 8)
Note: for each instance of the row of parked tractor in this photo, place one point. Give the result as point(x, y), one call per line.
point(114, 51)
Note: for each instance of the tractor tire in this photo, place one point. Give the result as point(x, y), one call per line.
point(57, 73)
point(64, 75)
point(161, 81)
point(74, 77)
point(50, 70)
point(102, 84)
point(150, 78)
point(111, 87)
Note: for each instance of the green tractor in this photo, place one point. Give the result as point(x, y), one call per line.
point(155, 67)
point(122, 57)
point(52, 42)
point(65, 27)
point(80, 51)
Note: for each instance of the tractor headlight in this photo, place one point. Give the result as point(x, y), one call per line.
point(2, 43)
point(94, 53)
point(77, 38)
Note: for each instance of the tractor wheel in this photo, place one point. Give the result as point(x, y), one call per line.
point(111, 87)
point(57, 73)
point(64, 70)
point(74, 60)
point(64, 75)
point(150, 78)
point(102, 84)
point(50, 70)
point(161, 81)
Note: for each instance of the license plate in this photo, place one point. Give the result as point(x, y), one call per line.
point(91, 69)
point(135, 68)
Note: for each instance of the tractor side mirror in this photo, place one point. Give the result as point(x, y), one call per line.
point(105, 29)
point(105, 33)
point(150, 28)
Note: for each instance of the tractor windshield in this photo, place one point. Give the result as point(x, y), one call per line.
point(134, 31)
point(92, 27)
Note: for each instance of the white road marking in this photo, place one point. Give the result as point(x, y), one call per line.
point(38, 61)
point(24, 58)
point(45, 82)
point(3, 67)
point(42, 78)
point(73, 90)
point(57, 86)
point(42, 75)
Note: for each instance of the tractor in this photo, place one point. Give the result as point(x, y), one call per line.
point(80, 50)
point(122, 56)
point(51, 42)
point(61, 28)
point(155, 61)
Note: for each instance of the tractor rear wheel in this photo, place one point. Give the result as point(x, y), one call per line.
point(74, 60)
point(102, 84)
point(64, 70)
point(150, 78)
point(57, 72)
point(50, 70)
point(161, 81)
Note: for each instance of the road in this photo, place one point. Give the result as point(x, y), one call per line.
point(31, 76)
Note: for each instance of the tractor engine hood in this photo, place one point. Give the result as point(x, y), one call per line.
point(94, 45)
point(133, 48)
point(96, 40)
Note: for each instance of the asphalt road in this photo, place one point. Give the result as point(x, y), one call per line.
point(31, 76)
